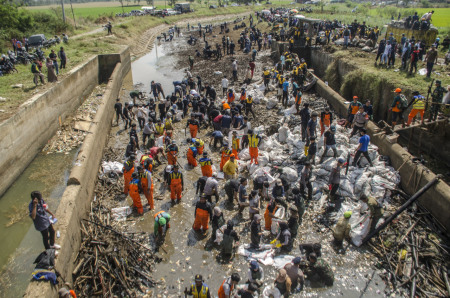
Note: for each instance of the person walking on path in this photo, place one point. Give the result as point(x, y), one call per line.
point(38, 210)
point(431, 59)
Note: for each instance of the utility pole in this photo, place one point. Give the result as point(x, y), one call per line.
point(63, 12)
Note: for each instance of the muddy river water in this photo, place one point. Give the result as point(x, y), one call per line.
point(21, 243)
point(186, 253)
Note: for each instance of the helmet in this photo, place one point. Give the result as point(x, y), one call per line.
point(162, 221)
point(169, 114)
point(333, 128)
point(347, 214)
point(398, 90)
point(355, 97)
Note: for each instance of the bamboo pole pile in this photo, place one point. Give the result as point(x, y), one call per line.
point(415, 255)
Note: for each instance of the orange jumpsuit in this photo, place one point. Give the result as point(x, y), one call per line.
point(176, 185)
point(128, 169)
point(172, 152)
point(146, 178)
point(135, 196)
point(243, 98)
point(202, 216)
point(253, 142)
point(325, 121)
point(267, 218)
point(193, 128)
point(235, 143)
point(206, 165)
point(225, 157)
point(191, 154)
point(230, 97)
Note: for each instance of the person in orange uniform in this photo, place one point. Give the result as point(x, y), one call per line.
point(227, 287)
point(176, 184)
point(418, 104)
point(128, 169)
point(235, 144)
point(194, 126)
point(199, 144)
point(226, 152)
point(191, 155)
point(225, 106)
point(203, 214)
point(172, 153)
point(353, 108)
point(134, 193)
point(147, 185)
point(326, 117)
point(206, 165)
point(243, 97)
point(271, 208)
point(230, 96)
point(253, 143)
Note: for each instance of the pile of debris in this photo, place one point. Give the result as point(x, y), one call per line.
point(72, 132)
point(111, 263)
point(413, 254)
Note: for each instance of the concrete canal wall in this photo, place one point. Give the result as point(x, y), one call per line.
point(77, 197)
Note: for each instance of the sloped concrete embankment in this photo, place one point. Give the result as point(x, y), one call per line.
point(350, 80)
point(76, 199)
point(414, 176)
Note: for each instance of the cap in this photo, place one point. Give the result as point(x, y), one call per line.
point(438, 82)
point(398, 90)
point(162, 221)
point(341, 160)
point(333, 128)
point(198, 277)
point(254, 265)
point(297, 260)
point(174, 142)
point(355, 97)
point(347, 214)
point(279, 183)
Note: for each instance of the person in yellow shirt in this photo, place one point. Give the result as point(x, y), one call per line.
point(230, 168)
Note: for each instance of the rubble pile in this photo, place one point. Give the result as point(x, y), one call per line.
point(72, 132)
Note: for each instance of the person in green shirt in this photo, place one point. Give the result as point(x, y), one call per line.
point(436, 100)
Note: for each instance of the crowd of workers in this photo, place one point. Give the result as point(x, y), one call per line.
point(223, 117)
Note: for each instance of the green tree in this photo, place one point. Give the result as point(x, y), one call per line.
point(172, 2)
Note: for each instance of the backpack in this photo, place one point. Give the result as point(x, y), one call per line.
point(403, 101)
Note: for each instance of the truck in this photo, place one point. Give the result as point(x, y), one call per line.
point(183, 7)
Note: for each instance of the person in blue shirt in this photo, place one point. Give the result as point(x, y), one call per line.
point(363, 147)
point(238, 120)
point(217, 137)
point(284, 99)
point(38, 212)
point(226, 123)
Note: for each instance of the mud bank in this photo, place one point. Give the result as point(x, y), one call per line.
point(414, 176)
point(80, 186)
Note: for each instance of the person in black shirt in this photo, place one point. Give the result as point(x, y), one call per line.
point(201, 182)
point(133, 133)
point(126, 116)
point(312, 150)
point(305, 115)
point(162, 110)
point(118, 109)
point(329, 142)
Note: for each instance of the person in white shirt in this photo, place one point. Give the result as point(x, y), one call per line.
point(387, 49)
point(224, 85)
